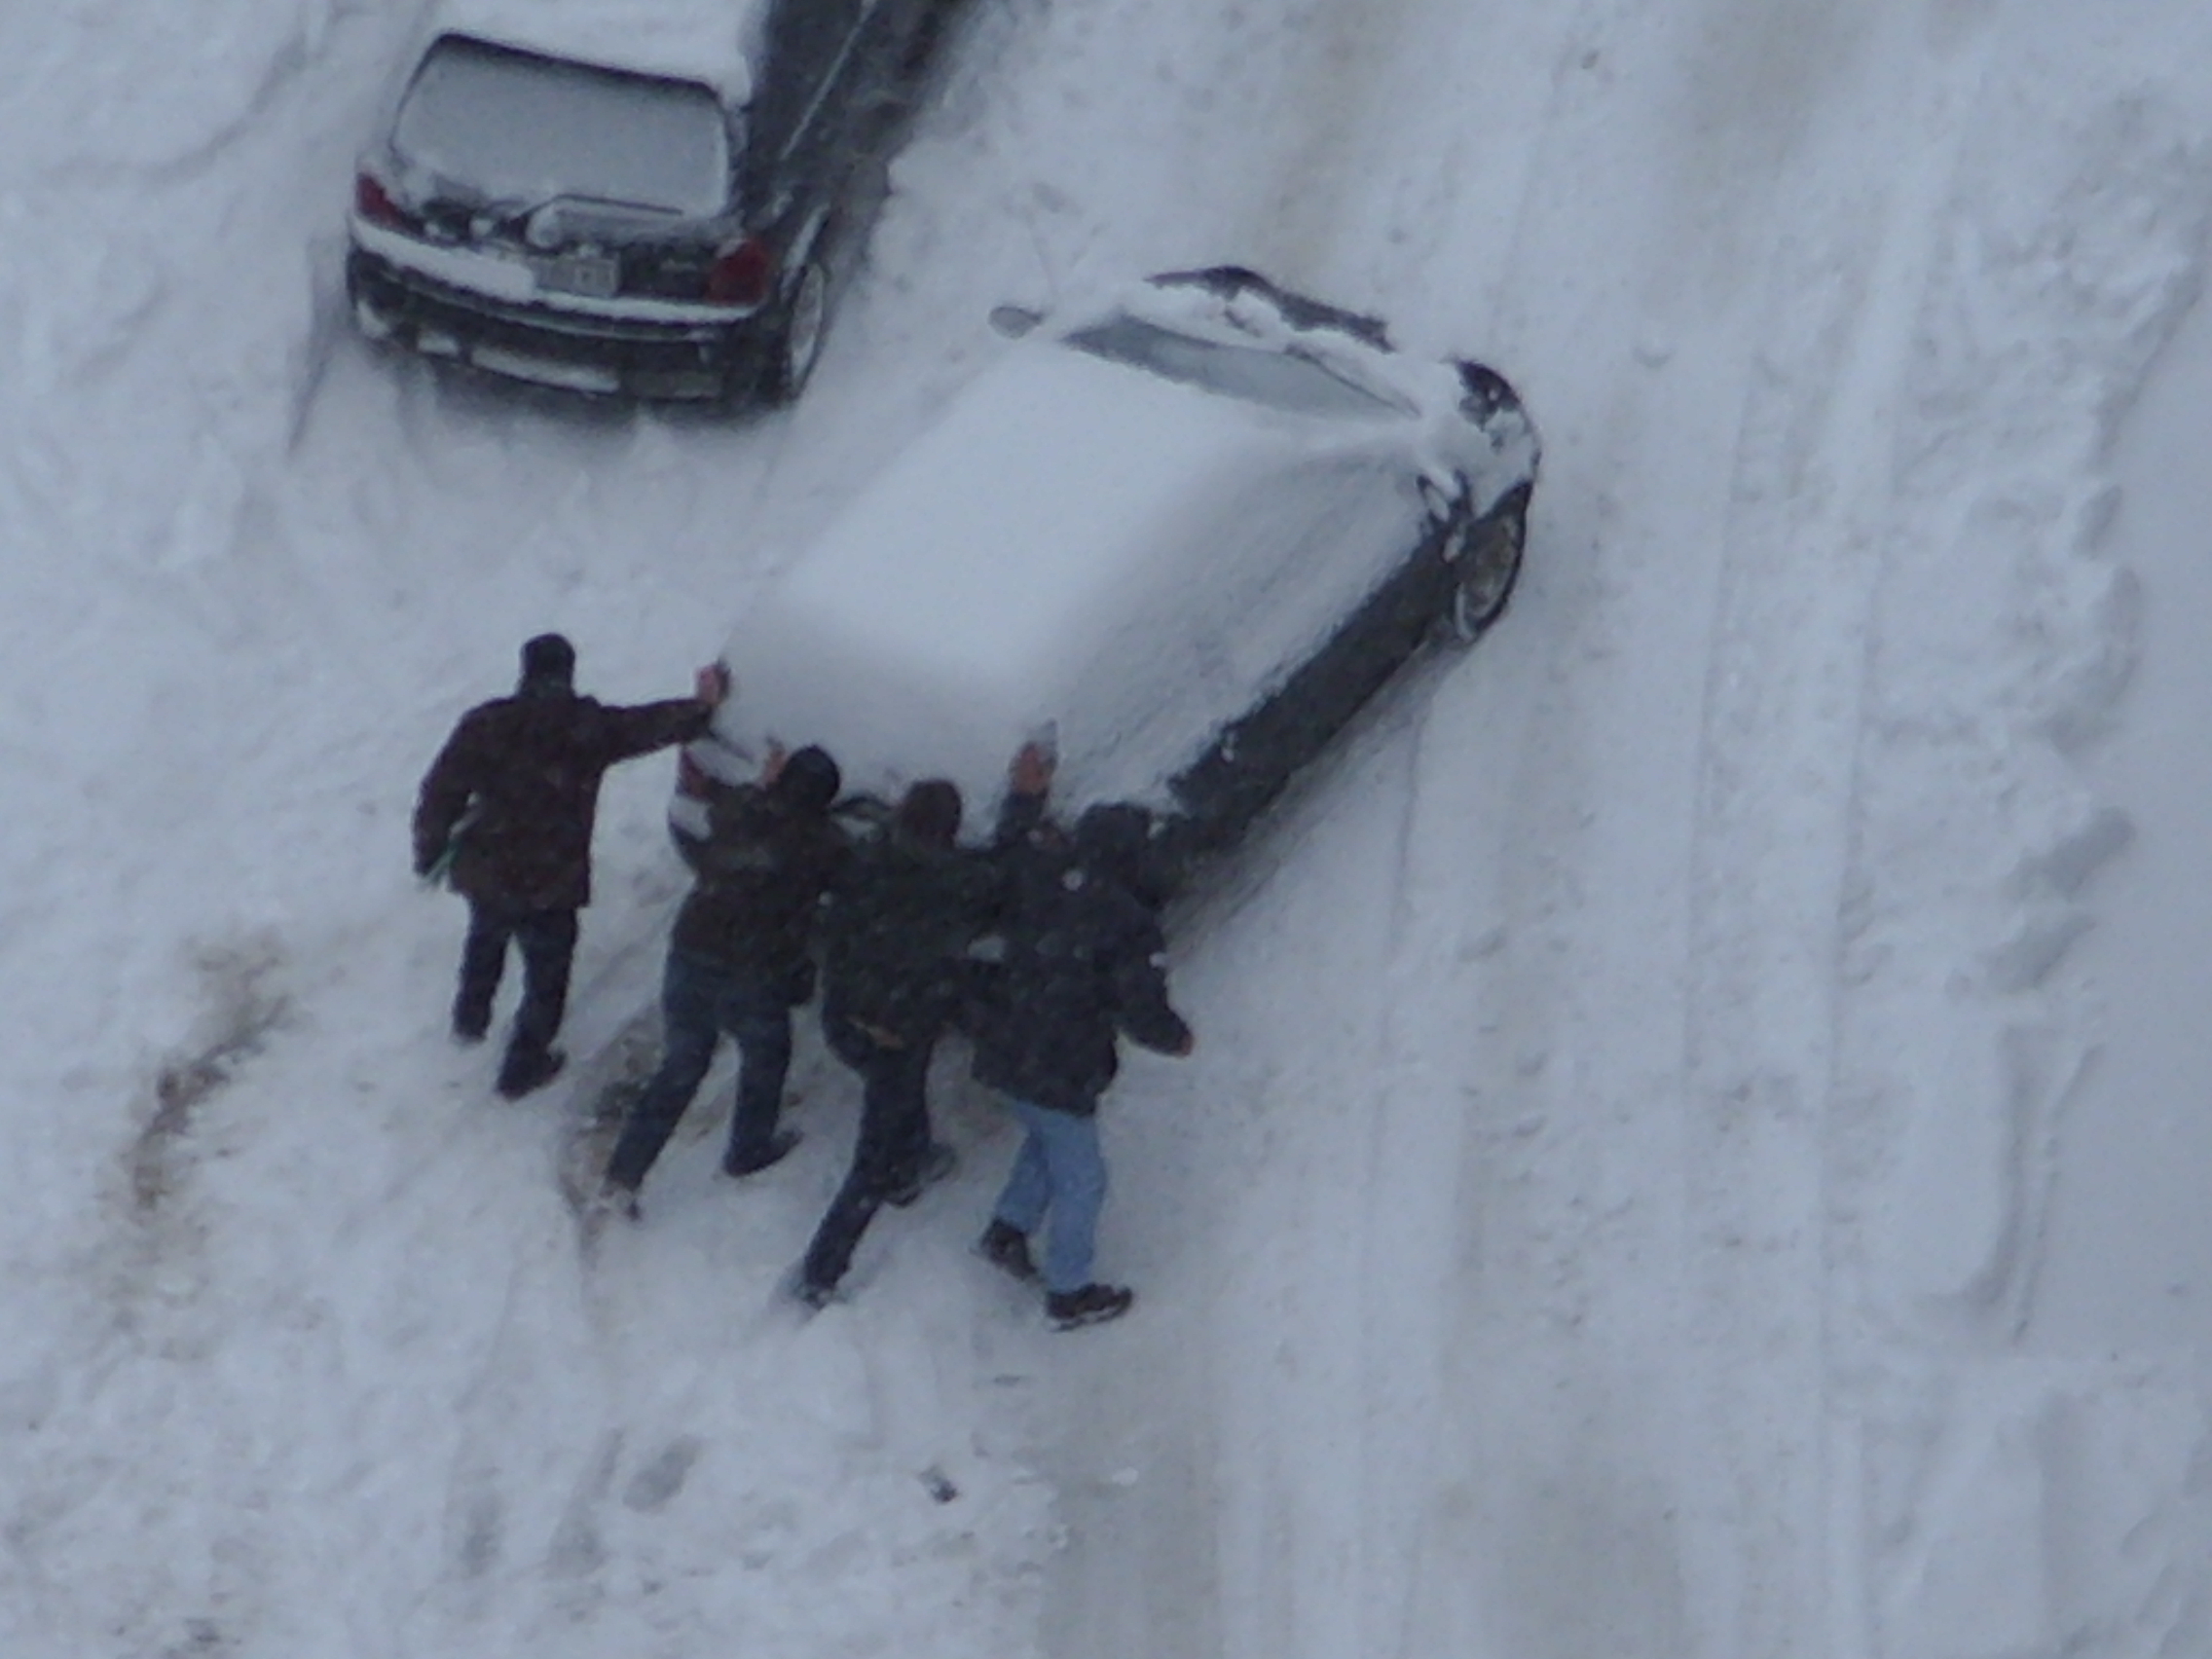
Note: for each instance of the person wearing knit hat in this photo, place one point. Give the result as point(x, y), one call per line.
point(549, 659)
point(1084, 967)
point(738, 963)
point(504, 815)
point(896, 973)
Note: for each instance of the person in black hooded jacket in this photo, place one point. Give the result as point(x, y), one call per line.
point(1083, 966)
point(505, 814)
point(896, 975)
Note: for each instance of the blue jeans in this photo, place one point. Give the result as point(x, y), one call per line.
point(700, 1000)
point(1060, 1170)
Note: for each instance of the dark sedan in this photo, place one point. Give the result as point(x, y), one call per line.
point(1193, 528)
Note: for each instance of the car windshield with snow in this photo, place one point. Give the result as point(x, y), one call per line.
point(521, 131)
point(1193, 532)
point(1263, 374)
point(653, 201)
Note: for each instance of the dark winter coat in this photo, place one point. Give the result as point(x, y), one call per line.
point(1084, 963)
point(516, 790)
point(762, 871)
point(898, 936)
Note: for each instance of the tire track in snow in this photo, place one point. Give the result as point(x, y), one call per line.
point(1333, 104)
point(1782, 707)
point(1782, 711)
point(1573, 1215)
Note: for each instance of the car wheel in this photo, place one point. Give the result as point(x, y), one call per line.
point(1490, 564)
point(797, 339)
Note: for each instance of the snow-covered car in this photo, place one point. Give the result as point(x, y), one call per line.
point(1192, 531)
point(647, 198)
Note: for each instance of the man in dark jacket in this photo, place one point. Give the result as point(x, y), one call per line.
point(738, 963)
point(506, 812)
point(895, 974)
point(1083, 966)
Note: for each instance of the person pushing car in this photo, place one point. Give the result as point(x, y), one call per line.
point(505, 815)
point(738, 962)
point(897, 973)
point(1083, 966)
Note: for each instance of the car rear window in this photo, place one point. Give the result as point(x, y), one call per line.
point(526, 129)
point(1281, 380)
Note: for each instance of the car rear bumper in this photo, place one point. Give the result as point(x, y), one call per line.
point(565, 349)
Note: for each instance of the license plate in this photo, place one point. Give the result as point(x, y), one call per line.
point(595, 276)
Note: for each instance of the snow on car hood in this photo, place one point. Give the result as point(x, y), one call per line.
point(711, 41)
point(1077, 543)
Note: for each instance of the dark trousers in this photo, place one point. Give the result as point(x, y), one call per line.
point(888, 1155)
point(547, 940)
point(700, 1000)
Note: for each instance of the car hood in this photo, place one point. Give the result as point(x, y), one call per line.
point(1080, 543)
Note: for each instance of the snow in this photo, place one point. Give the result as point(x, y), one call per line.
point(1696, 1121)
point(711, 41)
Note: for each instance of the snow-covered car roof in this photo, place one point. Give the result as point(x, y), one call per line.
point(714, 42)
point(1124, 555)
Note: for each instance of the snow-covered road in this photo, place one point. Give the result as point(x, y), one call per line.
point(1643, 1186)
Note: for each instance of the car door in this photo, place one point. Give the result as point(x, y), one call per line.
point(1350, 590)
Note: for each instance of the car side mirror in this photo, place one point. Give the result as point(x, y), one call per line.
point(1015, 322)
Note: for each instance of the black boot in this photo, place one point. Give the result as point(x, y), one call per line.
point(740, 1162)
point(526, 1070)
point(1092, 1305)
point(1006, 1248)
point(938, 1163)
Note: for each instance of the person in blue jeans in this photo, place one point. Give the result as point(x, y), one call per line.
point(738, 964)
point(1084, 967)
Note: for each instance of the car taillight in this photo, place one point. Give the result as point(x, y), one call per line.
point(374, 203)
point(741, 275)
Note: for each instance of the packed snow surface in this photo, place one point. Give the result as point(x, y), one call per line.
point(1696, 1140)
